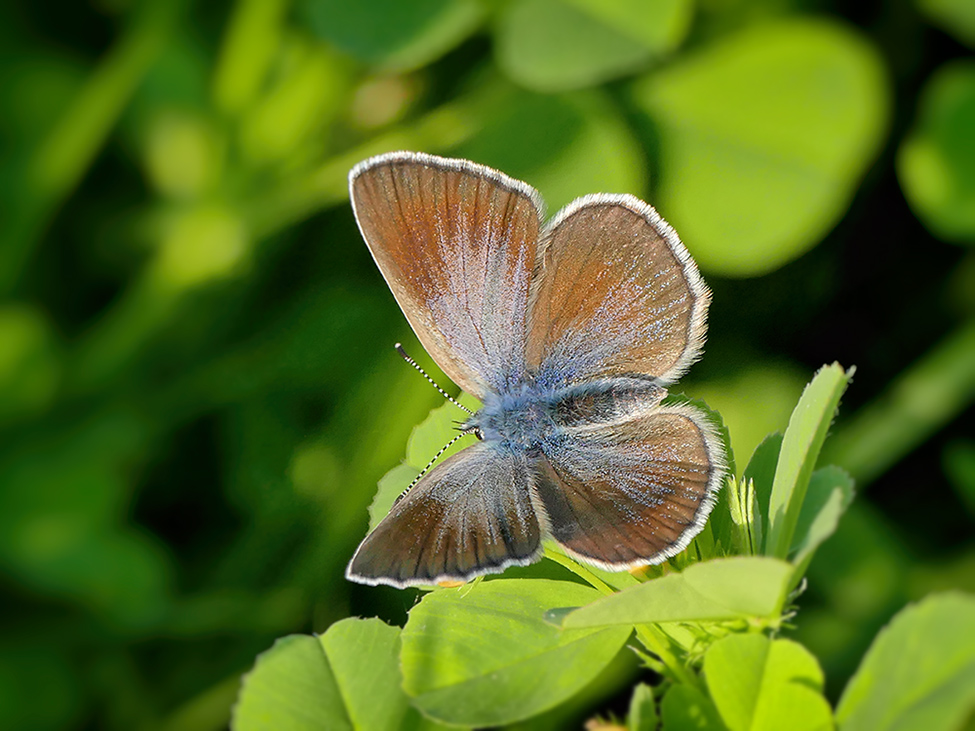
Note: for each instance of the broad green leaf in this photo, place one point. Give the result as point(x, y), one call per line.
point(553, 45)
point(919, 673)
point(829, 495)
point(292, 688)
point(565, 145)
point(390, 33)
point(484, 655)
point(643, 710)
point(347, 678)
point(760, 684)
point(764, 137)
point(936, 162)
point(687, 709)
point(954, 16)
point(801, 445)
point(718, 590)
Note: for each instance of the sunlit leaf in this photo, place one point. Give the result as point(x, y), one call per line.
point(718, 590)
point(829, 495)
point(936, 162)
point(552, 45)
point(919, 673)
point(763, 138)
point(483, 655)
point(347, 678)
point(760, 684)
point(801, 445)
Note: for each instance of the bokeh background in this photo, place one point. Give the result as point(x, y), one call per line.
point(198, 391)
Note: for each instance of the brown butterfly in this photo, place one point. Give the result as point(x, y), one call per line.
point(568, 333)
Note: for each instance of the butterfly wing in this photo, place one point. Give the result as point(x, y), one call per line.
point(456, 242)
point(616, 293)
point(632, 490)
point(470, 515)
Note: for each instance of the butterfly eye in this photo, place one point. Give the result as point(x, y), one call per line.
point(479, 435)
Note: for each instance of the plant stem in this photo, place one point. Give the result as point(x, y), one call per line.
point(650, 636)
point(579, 571)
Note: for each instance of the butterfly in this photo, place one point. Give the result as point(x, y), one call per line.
point(569, 334)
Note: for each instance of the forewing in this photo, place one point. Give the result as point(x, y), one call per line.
point(632, 492)
point(615, 293)
point(456, 242)
point(471, 515)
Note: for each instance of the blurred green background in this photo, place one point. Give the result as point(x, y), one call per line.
point(198, 390)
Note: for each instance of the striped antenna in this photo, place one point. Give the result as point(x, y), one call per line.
point(426, 469)
point(451, 399)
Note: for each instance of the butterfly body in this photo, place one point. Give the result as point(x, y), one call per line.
point(528, 418)
point(569, 333)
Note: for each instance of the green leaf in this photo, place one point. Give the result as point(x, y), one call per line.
point(761, 469)
point(718, 590)
point(643, 710)
point(954, 16)
point(801, 445)
point(745, 520)
point(346, 679)
point(391, 33)
point(566, 145)
point(919, 673)
point(292, 687)
point(391, 485)
point(936, 162)
point(760, 684)
point(764, 137)
point(685, 708)
point(829, 495)
point(554, 45)
point(483, 655)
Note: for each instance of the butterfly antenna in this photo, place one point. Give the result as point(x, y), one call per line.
point(451, 399)
point(426, 469)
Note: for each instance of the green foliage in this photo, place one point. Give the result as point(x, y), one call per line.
point(346, 679)
point(919, 672)
point(484, 655)
point(198, 392)
point(768, 133)
point(553, 45)
point(801, 445)
point(760, 684)
point(936, 162)
point(501, 650)
point(725, 589)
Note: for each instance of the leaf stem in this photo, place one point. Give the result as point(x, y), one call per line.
point(651, 637)
point(579, 571)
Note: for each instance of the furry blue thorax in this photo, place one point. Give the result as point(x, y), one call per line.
point(527, 417)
